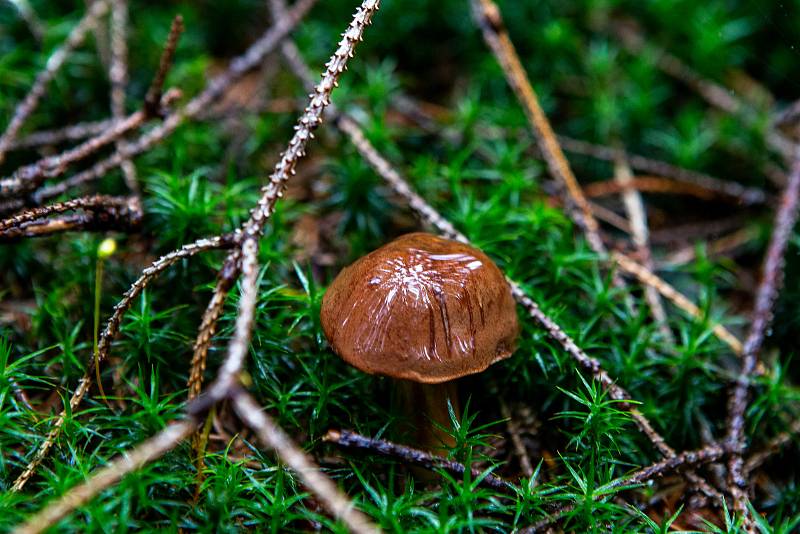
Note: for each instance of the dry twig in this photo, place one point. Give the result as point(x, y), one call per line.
point(488, 18)
point(354, 440)
point(118, 75)
point(154, 93)
point(745, 195)
point(197, 105)
point(107, 214)
point(652, 184)
point(516, 439)
point(107, 337)
point(30, 17)
point(271, 192)
point(646, 277)
point(109, 475)
point(73, 132)
point(54, 63)
point(84, 203)
point(684, 460)
point(641, 239)
point(775, 444)
point(723, 245)
point(323, 488)
point(766, 295)
point(29, 177)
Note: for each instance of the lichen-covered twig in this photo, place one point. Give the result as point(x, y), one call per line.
point(766, 295)
point(107, 476)
point(215, 88)
point(54, 63)
point(271, 435)
point(284, 169)
point(410, 455)
point(108, 335)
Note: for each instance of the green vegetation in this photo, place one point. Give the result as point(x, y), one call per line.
point(478, 166)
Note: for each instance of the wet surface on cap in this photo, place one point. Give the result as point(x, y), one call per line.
point(421, 308)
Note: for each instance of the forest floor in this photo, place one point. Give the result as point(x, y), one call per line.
point(169, 226)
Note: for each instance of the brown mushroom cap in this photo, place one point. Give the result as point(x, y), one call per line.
point(421, 308)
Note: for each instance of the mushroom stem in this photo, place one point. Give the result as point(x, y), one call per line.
point(425, 408)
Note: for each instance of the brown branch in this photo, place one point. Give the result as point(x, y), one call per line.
point(745, 195)
point(716, 247)
point(85, 203)
point(153, 96)
point(635, 210)
point(610, 217)
point(646, 277)
point(489, 20)
point(252, 58)
point(118, 75)
point(105, 214)
point(766, 295)
point(284, 169)
point(130, 461)
point(516, 439)
point(29, 177)
point(73, 132)
point(228, 375)
point(53, 65)
point(108, 335)
point(353, 440)
point(701, 230)
point(653, 184)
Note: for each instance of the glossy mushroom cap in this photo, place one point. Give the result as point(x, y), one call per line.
point(421, 308)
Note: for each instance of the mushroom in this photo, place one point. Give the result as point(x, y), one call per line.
point(425, 311)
